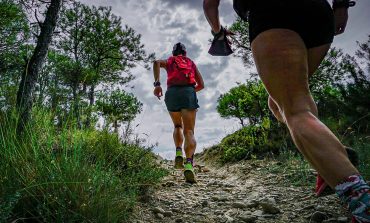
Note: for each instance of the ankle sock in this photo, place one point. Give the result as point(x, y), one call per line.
point(354, 192)
point(189, 160)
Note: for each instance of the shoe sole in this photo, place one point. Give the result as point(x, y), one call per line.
point(179, 162)
point(189, 176)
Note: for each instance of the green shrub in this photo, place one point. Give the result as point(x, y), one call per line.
point(291, 167)
point(70, 175)
point(253, 141)
point(362, 146)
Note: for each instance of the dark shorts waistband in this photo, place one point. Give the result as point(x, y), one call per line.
point(313, 20)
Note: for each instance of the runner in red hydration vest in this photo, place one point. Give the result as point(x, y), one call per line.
point(183, 81)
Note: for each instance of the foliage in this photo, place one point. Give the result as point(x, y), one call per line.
point(253, 141)
point(118, 106)
point(70, 175)
point(246, 101)
point(341, 88)
point(291, 167)
point(13, 27)
point(14, 32)
point(241, 41)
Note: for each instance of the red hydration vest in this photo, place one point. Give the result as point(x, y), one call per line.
point(180, 71)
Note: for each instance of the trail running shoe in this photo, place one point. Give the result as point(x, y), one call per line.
point(322, 188)
point(189, 173)
point(179, 160)
point(354, 192)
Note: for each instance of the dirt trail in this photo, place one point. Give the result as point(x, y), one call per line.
point(238, 193)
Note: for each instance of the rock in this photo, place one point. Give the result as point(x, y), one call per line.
point(269, 206)
point(205, 170)
point(168, 213)
point(157, 210)
point(229, 219)
point(219, 198)
point(318, 216)
point(169, 184)
point(248, 217)
point(211, 183)
point(252, 203)
point(177, 210)
point(219, 212)
point(331, 220)
point(258, 213)
point(179, 220)
point(205, 203)
point(159, 216)
point(239, 205)
point(343, 219)
point(320, 208)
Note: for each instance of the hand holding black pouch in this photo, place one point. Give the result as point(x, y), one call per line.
point(220, 45)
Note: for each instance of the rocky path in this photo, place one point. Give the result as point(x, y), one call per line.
point(237, 193)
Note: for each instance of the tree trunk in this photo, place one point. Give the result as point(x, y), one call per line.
point(91, 103)
point(115, 125)
point(241, 122)
point(54, 96)
point(31, 72)
point(76, 104)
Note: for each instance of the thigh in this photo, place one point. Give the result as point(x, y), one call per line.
point(282, 63)
point(176, 118)
point(315, 57)
point(188, 117)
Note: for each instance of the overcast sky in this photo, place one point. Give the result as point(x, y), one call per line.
point(163, 23)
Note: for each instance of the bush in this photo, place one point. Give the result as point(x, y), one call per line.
point(291, 167)
point(254, 141)
point(70, 175)
point(362, 146)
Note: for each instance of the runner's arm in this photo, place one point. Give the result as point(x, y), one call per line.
point(210, 8)
point(340, 9)
point(199, 80)
point(157, 64)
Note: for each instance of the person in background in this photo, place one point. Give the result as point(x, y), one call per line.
point(183, 81)
point(289, 39)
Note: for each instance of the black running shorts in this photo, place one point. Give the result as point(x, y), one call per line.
point(181, 97)
point(313, 20)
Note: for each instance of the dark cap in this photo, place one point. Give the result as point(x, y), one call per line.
point(178, 47)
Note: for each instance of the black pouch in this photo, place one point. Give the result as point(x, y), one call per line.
point(220, 46)
point(242, 8)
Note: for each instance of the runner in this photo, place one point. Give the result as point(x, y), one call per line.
point(183, 81)
point(289, 39)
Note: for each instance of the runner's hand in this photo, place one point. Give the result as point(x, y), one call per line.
point(221, 33)
point(158, 92)
point(341, 18)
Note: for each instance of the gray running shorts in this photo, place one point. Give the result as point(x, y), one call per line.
point(181, 97)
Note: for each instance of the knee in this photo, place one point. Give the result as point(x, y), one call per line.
point(189, 136)
point(298, 108)
point(299, 119)
point(188, 133)
point(178, 127)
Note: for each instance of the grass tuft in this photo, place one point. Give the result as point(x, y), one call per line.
point(70, 175)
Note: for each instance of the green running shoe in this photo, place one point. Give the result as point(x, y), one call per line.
point(189, 173)
point(179, 160)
